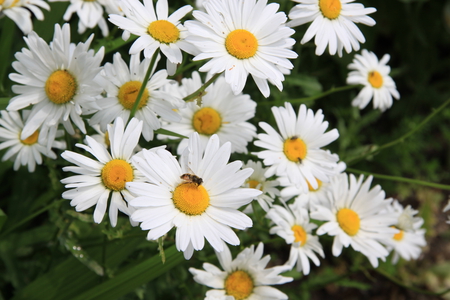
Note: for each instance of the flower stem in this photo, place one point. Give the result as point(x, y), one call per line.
point(144, 84)
point(198, 93)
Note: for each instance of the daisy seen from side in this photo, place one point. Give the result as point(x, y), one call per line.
point(200, 195)
point(104, 177)
point(373, 74)
point(19, 12)
point(333, 23)
point(241, 38)
point(245, 277)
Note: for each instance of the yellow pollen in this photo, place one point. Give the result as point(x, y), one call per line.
point(294, 149)
point(164, 31)
point(191, 198)
point(239, 284)
point(241, 43)
point(128, 93)
point(116, 173)
point(253, 184)
point(206, 121)
point(61, 87)
point(311, 189)
point(330, 9)
point(32, 139)
point(348, 220)
point(375, 79)
point(398, 236)
point(299, 234)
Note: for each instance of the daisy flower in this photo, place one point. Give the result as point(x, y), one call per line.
point(25, 152)
point(245, 277)
point(218, 111)
point(58, 80)
point(155, 30)
point(243, 37)
point(122, 85)
point(19, 12)
point(353, 215)
point(105, 177)
point(410, 239)
point(374, 75)
point(296, 150)
point(200, 196)
point(293, 225)
point(333, 23)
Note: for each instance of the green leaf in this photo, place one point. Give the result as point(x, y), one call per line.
point(170, 133)
point(309, 84)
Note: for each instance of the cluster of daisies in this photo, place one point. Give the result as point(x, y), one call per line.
point(302, 188)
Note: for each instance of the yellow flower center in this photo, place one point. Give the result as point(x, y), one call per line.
point(191, 198)
point(241, 43)
point(128, 93)
point(163, 31)
point(375, 79)
point(253, 184)
point(311, 189)
point(32, 139)
point(349, 221)
point(107, 142)
point(330, 9)
point(206, 121)
point(294, 149)
point(116, 173)
point(239, 284)
point(398, 236)
point(61, 87)
point(299, 234)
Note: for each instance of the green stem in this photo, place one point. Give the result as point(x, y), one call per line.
point(402, 179)
point(144, 84)
point(402, 138)
point(200, 91)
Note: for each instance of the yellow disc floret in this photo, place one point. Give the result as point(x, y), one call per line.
point(191, 198)
point(206, 121)
point(295, 149)
point(60, 87)
point(375, 79)
point(349, 221)
point(399, 235)
point(299, 234)
point(239, 284)
point(128, 93)
point(330, 9)
point(32, 139)
point(241, 44)
point(253, 184)
point(116, 173)
point(311, 189)
point(164, 31)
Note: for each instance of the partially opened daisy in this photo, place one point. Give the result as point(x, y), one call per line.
point(243, 37)
point(122, 86)
point(355, 215)
point(245, 277)
point(333, 23)
point(296, 151)
point(155, 29)
point(105, 176)
point(200, 196)
point(24, 152)
point(58, 80)
point(293, 225)
point(19, 12)
point(374, 75)
point(218, 111)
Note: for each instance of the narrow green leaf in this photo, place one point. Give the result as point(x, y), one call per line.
point(170, 133)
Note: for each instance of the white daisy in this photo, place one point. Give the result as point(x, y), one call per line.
point(333, 23)
point(19, 12)
point(200, 197)
point(155, 30)
point(353, 215)
point(243, 37)
point(27, 151)
point(407, 243)
point(245, 277)
point(58, 80)
point(122, 85)
point(296, 150)
point(374, 75)
point(293, 225)
point(218, 111)
point(104, 178)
